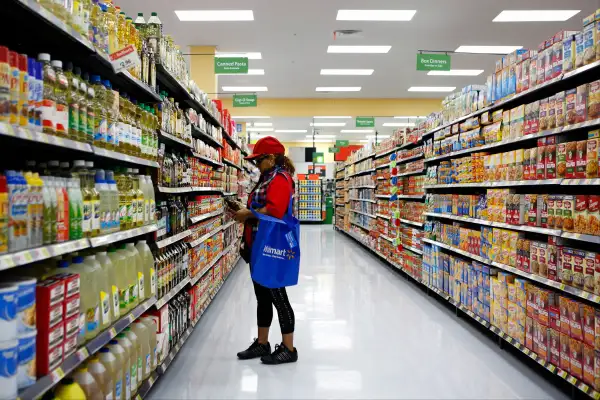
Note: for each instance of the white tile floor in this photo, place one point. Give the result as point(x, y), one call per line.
point(362, 331)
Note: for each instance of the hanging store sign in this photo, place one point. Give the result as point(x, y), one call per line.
point(245, 100)
point(334, 150)
point(342, 143)
point(231, 65)
point(365, 122)
point(318, 158)
point(433, 62)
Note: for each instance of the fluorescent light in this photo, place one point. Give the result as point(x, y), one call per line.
point(250, 72)
point(357, 131)
point(457, 72)
point(291, 130)
point(535, 15)
point(327, 124)
point(327, 117)
point(412, 117)
point(315, 141)
point(256, 129)
point(487, 49)
point(347, 71)
point(256, 55)
point(215, 15)
point(431, 88)
point(245, 88)
point(375, 15)
point(404, 124)
point(358, 49)
point(262, 124)
point(378, 136)
point(322, 136)
point(338, 89)
point(248, 117)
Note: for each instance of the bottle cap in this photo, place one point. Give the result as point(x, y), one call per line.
point(79, 163)
point(89, 164)
point(77, 71)
point(43, 57)
point(95, 79)
point(140, 14)
point(56, 63)
point(100, 176)
point(3, 54)
point(154, 14)
point(107, 84)
point(77, 260)
point(13, 59)
point(63, 264)
point(104, 350)
point(23, 62)
point(69, 66)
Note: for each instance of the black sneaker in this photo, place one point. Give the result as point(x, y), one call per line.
point(281, 355)
point(255, 350)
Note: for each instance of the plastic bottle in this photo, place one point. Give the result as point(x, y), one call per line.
point(140, 25)
point(50, 209)
point(80, 173)
point(154, 32)
point(108, 268)
point(119, 261)
point(122, 33)
point(84, 135)
point(88, 384)
point(4, 85)
point(102, 189)
point(96, 31)
point(143, 336)
point(124, 362)
point(23, 100)
point(131, 353)
point(114, 201)
point(91, 114)
point(102, 376)
point(31, 214)
point(138, 268)
point(139, 357)
point(101, 122)
point(13, 63)
point(31, 95)
point(121, 126)
point(139, 194)
point(147, 267)
point(47, 105)
point(61, 114)
point(151, 330)
point(95, 199)
point(16, 239)
point(4, 207)
point(104, 291)
point(89, 292)
point(111, 130)
point(144, 188)
point(133, 195)
point(73, 102)
point(68, 389)
point(114, 370)
point(75, 209)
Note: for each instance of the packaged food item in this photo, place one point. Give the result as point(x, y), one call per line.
point(578, 273)
point(535, 117)
point(551, 112)
point(558, 212)
point(550, 157)
point(543, 114)
point(26, 358)
point(565, 325)
point(571, 155)
point(580, 213)
point(541, 156)
point(593, 224)
point(533, 157)
point(589, 267)
point(589, 41)
point(579, 47)
point(569, 53)
point(568, 222)
point(588, 364)
point(576, 360)
point(591, 167)
point(559, 104)
point(580, 159)
point(571, 113)
point(554, 346)
point(517, 117)
point(561, 160)
point(594, 100)
point(581, 104)
point(506, 124)
point(565, 352)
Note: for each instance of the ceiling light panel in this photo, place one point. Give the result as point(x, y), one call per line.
point(347, 72)
point(535, 15)
point(327, 117)
point(357, 131)
point(338, 89)
point(431, 88)
point(214, 15)
point(317, 124)
point(399, 124)
point(375, 15)
point(322, 136)
point(359, 49)
point(257, 129)
point(291, 130)
point(245, 88)
point(249, 55)
point(457, 72)
point(249, 117)
point(487, 49)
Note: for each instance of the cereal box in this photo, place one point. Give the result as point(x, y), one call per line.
point(565, 352)
point(558, 212)
point(561, 160)
point(550, 157)
point(534, 126)
point(581, 104)
point(543, 114)
point(559, 104)
point(517, 117)
point(589, 42)
point(551, 211)
point(581, 159)
point(591, 167)
point(566, 266)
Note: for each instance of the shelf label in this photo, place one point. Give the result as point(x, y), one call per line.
point(245, 100)
point(125, 59)
point(365, 122)
point(231, 65)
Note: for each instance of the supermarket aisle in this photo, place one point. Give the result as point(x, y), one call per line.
point(362, 332)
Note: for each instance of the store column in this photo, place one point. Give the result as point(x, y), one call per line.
point(202, 69)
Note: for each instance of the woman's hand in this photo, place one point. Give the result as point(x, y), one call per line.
point(242, 215)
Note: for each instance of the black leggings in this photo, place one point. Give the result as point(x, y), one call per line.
point(266, 299)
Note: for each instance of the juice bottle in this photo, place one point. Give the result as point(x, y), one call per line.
point(82, 130)
point(131, 355)
point(111, 275)
point(114, 201)
point(47, 105)
point(91, 114)
point(23, 100)
point(99, 104)
point(73, 101)
point(147, 268)
point(114, 370)
point(103, 290)
point(136, 275)
point(118, 260)
point(111, 136)
point(68, 389)
point(139, 194)
point(81, 173)
point(61, 88)
point(102, 189)
point(139, 355)
point(141, 331)
point(102, 376)
point(89, 294)
point(151, 329)
point(95, 199)
point(88, 384)
point(122, 357)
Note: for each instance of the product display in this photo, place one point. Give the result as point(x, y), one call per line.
point(309, 198)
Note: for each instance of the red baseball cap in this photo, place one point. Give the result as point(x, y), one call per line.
point(266, 145)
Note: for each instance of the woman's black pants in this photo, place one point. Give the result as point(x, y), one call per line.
point(266, 299)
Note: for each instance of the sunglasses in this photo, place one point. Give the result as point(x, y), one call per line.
point(259, 159)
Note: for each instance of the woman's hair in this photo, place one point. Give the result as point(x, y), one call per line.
point(285, 163)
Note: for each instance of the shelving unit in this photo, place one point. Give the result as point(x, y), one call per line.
point(310, 201)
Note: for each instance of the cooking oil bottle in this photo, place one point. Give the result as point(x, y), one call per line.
point(122, 32)
point(48, 104)
point(92, 106)
point(100, 121)
point(73, 102)
point(112, 27)
point(80, 171)
point(82, 131)
point(121, 126)
point(138, 127)
point(139, 219)
point(132, 210)
point(61, 114)
point(111, 138)
point(124, 200)
point(95, 198)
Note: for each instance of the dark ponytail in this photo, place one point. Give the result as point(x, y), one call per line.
point(285, 163)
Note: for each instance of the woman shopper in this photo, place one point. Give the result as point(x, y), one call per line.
point(271, 196)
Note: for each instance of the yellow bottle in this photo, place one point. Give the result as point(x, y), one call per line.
point(122, 127)
point(68, 389)
point(122, 30)
point(124, 201)
point(96, 29)
point(112, 28)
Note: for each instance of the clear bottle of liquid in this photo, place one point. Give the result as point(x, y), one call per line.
point(140, 25)
point(95, 33)
point(130, 272)
point(47, 104)
point(137, 132)
point(124, 201)
point(104, 291)
point(92, 107)
point(122, 127)
point(119, 260)
point(61, 114)
point(139, 194)
point(82, 131)
point(137, 274)
point(151, 329)
point(115, 371)
point(89, 278)
point(154, 31)
point(131, 353)
point(49, 219)
point(113, 201)
point(69, 389)
point(122, 33)
point(75, 209)
point(111, 275)
point(141, 331)
point(81, 173)
point(111, 117)
point(100, 121)
point(112, 28)
point(88, 384)
point(102, 376)
point(132, 208)
point(105, 211)
point(139, 355)
point(148, 268)
point(123, 360)
point(62, 210)
point(95, 199)
point(74, 102)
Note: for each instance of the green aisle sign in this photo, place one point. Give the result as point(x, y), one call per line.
point(433, 62)
point(231, 65)
point(365, 122)
point(334, 150)
point(342, 143)
point(245, 100)
point(318, 158)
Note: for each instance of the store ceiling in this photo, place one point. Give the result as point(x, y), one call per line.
point(293, 37)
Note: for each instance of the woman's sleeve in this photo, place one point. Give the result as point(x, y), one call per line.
point(279, 192)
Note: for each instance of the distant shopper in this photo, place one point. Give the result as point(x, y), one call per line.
point(271, 196)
